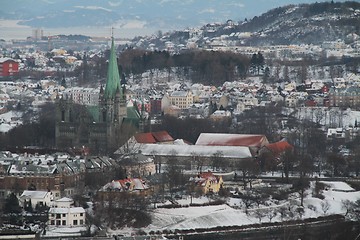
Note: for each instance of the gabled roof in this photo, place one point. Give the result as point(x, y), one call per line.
point(224, 139)
point(279, 147)
point(153, 137)
point(145, 138)
point(64, 199)
point(162, 136)
point(202, 178)
point(67, 210)
point(34, 194)
point(6, 59)
point(125, 185)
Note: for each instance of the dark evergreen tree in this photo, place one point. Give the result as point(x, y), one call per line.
point(266, 75)
point(11, 204)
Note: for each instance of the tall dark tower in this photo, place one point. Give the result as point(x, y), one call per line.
point(112, 102)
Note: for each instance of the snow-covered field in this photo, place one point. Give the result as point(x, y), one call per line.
point(233, 213)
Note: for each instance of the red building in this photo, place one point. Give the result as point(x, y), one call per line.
point(8, 67)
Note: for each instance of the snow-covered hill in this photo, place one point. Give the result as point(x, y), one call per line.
point(233, 214)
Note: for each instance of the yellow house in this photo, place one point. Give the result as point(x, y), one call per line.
point(182, 99)
point(207, 183)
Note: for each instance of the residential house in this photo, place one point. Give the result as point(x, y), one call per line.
point(206, 183)
point(8, 67)
point(36, 198)
point(344, 97)
point(137, 165)
point(248, 99)
point(182, 99)
point(220, 115)
point(291, 100)
point(118, 189)
point(66, 216)
point(63, 203)
point(173, 110)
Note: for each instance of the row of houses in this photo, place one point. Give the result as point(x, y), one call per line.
point(60, 174)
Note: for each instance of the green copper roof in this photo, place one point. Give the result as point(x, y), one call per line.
point(133, 112)
point(113, 77)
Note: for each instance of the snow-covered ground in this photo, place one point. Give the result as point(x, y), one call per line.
point(64, 231)
point(233, 213)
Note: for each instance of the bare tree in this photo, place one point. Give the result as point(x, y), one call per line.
point(283, 211)
point(259, 214)
point(249, 169)
point(216, 159)
point(198, 161)
point(270, 213)
point(157, 161)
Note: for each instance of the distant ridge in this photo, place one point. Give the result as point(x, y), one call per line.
point(293, 24)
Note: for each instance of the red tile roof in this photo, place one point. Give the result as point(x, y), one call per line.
point(223, 139)
point(153, 137)
point(144, 138)
point(162, 136)
point(279, 147)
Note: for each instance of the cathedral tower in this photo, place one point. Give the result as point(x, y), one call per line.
point(112, 102)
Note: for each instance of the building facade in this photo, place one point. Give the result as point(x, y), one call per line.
point(8, 67)
point(344, 97)
point(67, 216)
point(182, 99)
point(97, 127)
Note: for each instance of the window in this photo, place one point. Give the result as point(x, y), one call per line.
point(75, 222)
point(52, 222)
point(63, 214)
point(58, 222)
point(58, 215)
point(81, 214)
point(63, 115)
point(81, 222)
point(63, 222)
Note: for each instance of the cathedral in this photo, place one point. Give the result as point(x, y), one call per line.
point(101, 128)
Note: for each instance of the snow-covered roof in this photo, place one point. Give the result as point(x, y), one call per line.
point(189, 150)
point(67, 210)
point(5, 59)
point(34, 194)
point(64, 199)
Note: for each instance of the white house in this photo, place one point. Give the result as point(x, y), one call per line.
point(63, 203)
point(66, 216)
point(43, 198)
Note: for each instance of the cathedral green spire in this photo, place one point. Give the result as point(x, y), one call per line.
point(113, 77)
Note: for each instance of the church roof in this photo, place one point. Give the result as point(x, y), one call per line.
point(113, 77)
